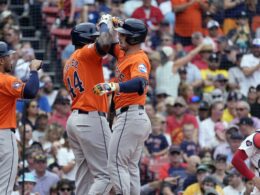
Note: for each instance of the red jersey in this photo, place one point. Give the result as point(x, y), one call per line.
point(81, 73)
point(11, 89)
point(129, 67)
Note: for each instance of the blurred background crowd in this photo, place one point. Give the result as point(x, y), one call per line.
point(203, 98)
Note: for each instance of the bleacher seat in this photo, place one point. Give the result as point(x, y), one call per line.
point(39, 53)
point(61, 33)
point(35, 42)
point(17, 9)
point(28, 31)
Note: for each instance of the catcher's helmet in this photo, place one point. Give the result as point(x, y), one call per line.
point(4, 51)
point(135, 31)
point(84, 33)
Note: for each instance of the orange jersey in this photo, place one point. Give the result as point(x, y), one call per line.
point(11, 89)
point(129, 67)
point(81, 73)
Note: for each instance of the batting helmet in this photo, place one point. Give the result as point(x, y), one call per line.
point(84, 33)
point(4, 51)
point(135, 31)
point(256, 139)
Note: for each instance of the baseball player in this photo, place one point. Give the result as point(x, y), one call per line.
point(11, 89)
point(132, 126)
point(249, 148)
point(87, 127)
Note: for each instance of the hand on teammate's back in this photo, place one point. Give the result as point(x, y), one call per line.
point(35, 64)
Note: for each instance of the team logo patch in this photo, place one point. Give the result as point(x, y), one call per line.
point(17, 85)
point(248, 143)
point(142, 68)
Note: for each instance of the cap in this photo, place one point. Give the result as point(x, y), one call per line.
point(4, 51)
point(213, 57)
point(182, 70)
point(204, 105)
point(216, 94)
point(212, 24)
point(168, 51)
point(169, 101)
point(28, 177)
point(232, 172)
point(232, 129)
point(236, 136)
point(209, 163)
point(258, 87)
point(246, 121)
point(220, 77)
point(202, 168)
point(242, 14)
point(174, 149)
point(256, 42)
point(221, 157)
point(232, 96)
point(180, 100)
point(40, 157)
point(62, 100)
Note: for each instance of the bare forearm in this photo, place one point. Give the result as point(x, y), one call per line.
point(250, 70)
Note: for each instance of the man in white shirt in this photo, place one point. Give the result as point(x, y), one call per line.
point(236, 185)
point(250, 64)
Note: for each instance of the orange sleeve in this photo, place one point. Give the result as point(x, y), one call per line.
point(13, 87)
point(90, 52)
point(140, 70)
point(177, 2)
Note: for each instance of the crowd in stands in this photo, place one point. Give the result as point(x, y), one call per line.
point(203, 97)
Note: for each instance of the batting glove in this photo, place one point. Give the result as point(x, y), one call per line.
point(103, 88)
point(107, 19)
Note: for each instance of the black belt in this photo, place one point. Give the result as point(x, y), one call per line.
point(86, 112)
point(124, 109)
point(13, 130)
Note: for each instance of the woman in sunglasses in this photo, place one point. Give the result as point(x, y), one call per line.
point(65, 187)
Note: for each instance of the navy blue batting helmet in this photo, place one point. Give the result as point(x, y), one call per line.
point(84, 33)
point(4, 51)
point(135, 31)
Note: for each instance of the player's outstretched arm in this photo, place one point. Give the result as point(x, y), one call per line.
point(32, 85)
point(104, 40)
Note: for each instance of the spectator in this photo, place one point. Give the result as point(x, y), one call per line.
point(184, 27)
point(237, 78)
point(221, 167)
point(241, 35)
point(209, 74)
point(250, 64)
point(203, 111)
point(67, 12)
point(207, 135)
point(213, 30)
point(204, 183)
point(193, 163)
point(243, 110)
point(61, 111)
point(176, 121)
point(44, 178)
point(232, 10)
point(48, 89)
point(255, 108)
point(29, 183)
point(236, 185)
point(41, 126)
point(65, 187)
point(174, 168)
point(12, 38)
point(249, 186)
point(246, 126)
point(156, 144)
point(230, 111)
point(251, 96)
point(189, 145)
point(31, 113)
